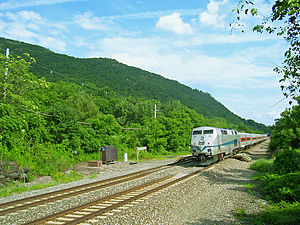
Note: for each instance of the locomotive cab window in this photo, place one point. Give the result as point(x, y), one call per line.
point(208, 131)
point(197, 132)
point(224, 132)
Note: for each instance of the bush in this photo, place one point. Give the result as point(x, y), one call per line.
point(263, 165)
point(287, 161)
point(281, 187)
point(282, 213)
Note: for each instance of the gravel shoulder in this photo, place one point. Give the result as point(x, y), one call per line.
point(207, 198)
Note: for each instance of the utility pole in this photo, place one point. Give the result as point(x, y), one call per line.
point(5, 73)
point(155, 110)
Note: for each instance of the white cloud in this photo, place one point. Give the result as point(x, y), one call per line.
point(190, 66)
point(30, 15)
point(2, 25)
point(19, 32)
point(89, 22)
point(211, 16)
point(24, 17)
point(52, 43)
point(14, 4)
point(274, 114)
point(174, 23)
point(30, 27)
point(230, 79)
point(80, 42)
point(153, 14)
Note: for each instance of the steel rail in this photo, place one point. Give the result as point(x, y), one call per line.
point(20, 204)
point(96, 208)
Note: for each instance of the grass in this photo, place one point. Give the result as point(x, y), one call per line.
point(282, 213)
point(17, 187)
point(93, 176)
point(263, 165)
point(61, 177)
point(281, 190)
point(154, 156)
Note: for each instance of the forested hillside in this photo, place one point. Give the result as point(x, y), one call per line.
point(126, 81)
point(43, 123)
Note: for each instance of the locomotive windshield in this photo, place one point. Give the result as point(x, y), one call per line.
point(208, 131)
point(197, 132)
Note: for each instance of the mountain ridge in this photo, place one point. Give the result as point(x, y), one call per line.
point(121, 78)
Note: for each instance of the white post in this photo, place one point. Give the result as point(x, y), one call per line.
point(125, 157)
point(5, 73)
point(155, 110)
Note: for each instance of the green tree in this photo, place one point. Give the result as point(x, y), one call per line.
point(16, 81)
point(64, 123)
point(286, 132)
point(107, 129)
point(84, 105)
point(178, 124)
point(153, 136)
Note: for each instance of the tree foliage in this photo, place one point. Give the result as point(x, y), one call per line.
point(46, 122)
point(286, 132)
point(110, 79)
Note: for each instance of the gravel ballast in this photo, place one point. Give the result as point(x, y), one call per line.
point(207, 198)
point(210, 197)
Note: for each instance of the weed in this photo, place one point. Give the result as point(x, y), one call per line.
point(263, 165)
point(93, 176)
point(17, 187)
point(282, 213)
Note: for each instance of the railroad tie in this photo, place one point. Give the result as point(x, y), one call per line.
point(55, 222)
point(243, 157)
point(64, 219)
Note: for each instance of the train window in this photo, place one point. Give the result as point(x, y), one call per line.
point(197, 132)
point(208, 131)
point(243, 139)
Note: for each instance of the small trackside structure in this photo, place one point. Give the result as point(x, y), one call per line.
point(213, 142)
point(109, 154)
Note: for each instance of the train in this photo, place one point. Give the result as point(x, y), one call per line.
point(213, 142)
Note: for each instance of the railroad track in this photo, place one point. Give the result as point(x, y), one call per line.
point(13, 206)
point(116, 202)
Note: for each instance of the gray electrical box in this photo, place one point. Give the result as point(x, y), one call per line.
point(109, 154)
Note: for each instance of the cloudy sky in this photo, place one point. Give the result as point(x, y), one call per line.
point(189, 41)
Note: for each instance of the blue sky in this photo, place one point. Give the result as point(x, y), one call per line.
point(189, 41)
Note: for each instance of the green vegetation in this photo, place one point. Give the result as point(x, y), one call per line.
point(109, 78)
point(42, 124)
point(282, 213)
point(286, 132)
point(279, 178)
point(59, 178)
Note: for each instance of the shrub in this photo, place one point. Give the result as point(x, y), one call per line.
point(263, 165)
point(287, 161)
point(281, 187)
point(282, 213)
